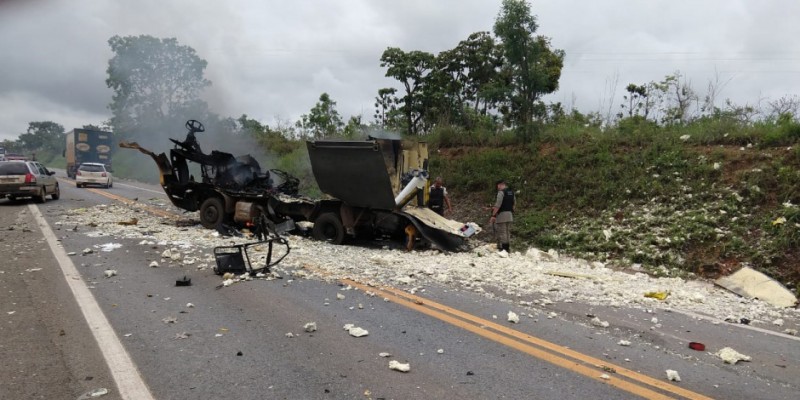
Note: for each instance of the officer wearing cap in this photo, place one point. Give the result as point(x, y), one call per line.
point(503, 215)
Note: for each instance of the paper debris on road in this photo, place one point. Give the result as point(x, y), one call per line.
point(109, 273)
point(673, 375)
point(624, 343)
point(605, 376)
point(289, 335)
point(93, 394)
point(384, 354)
point(169, 320)
point(597, 322)
point(154, 264)
point(440, 351)
point(513, 317)
point(339, 296)
point(778, 322)
point(398, 366)
point(310, 327)
point(731, 356)
point(87, 251)
point(355, 331)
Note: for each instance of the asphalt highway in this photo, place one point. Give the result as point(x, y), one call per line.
point(232, 343)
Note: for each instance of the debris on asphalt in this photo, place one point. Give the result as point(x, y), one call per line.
point(624, 343)
point(654, 320)
point(551, 315)
point(513, 317)
point(169, 320)
point(87, 251)
point(184, 281)
point(697, 346)
point(384, 354)
point(93, 394)
point(189, 305)
point(310, 327)
point(109, 273)
point(398, 366)
point(108, 247)
point(154, 264)
point(605, 376)
point(672, 375)
point(597, 322)
point(750, 283)
point(289, 335)
point(789, 331)
point(132, 221)
point(228, 275)
point(778, 322)
point(731, 356)
point(339, 296)
point(440, 351)
point(71, 253)
point(355, 331)
point(182, 335)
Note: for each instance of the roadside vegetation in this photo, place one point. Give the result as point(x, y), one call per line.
point(666, 178)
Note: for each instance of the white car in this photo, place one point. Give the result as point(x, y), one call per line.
point(93, 174)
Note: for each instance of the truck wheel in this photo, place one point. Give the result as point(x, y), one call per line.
point(212, 212)
point(329, 228)
point(55, 195)
point(42, 196)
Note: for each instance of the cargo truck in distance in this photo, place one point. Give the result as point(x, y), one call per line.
point(375, 188)
point(87, 146)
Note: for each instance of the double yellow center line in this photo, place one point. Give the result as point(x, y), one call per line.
point(633, 382)
point(622, 378)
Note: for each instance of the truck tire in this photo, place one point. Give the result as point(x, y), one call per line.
point(212, 212)
point(56, 194)
point(328, 227)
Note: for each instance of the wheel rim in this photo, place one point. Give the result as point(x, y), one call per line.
point(211, 214)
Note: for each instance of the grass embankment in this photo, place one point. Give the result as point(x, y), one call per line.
point(701, 204)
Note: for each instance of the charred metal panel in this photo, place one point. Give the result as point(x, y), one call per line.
point(353, 172)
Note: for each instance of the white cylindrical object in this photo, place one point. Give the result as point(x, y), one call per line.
point(417, 183)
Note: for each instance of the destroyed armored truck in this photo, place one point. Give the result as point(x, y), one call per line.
point(375, 188)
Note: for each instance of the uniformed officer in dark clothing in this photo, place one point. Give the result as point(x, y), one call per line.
point(503, 215)
point(438, 198)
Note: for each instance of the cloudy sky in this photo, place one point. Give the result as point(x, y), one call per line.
point(272, 59)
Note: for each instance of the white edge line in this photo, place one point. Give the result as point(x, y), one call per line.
point(129, 382)
point(752, 328)
point(141, 188)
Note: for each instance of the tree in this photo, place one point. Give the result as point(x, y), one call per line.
point(411, 69)
point(156, 83)
point(532, 66)
point(323, 120)
point(386, 108)
point(43, 135)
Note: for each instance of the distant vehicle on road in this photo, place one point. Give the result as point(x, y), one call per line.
point(2, 153)
point(87, 146)
point(27, 179)
point(93, 174)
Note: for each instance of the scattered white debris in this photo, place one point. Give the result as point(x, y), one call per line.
point(792, 332)
point(778, 322)
point(169, 320)
point(128, 335)
point(189, 305)
point(685, 137)
point(717, 166)
point(10, 312)
point(397, 366)
point(440, 351)
point(289, 334)
point(731, 356)
point(672, 375)
point(92, 394)
point(605, 376)
point(109, 247)
point(513, 317)
point(310, 327)
point(360, 306)
point(71, 253)
point(551, 315)
point(384, 354)
point(624, 343)
point(154, 264)
point(654, 320)
point(227, 282)
point(182, 335)
point(33, 269)
point(597, 322)
point(339, 296)
point(355, 331)
point(109, 273)
point(166, 254)
point(87, 251)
